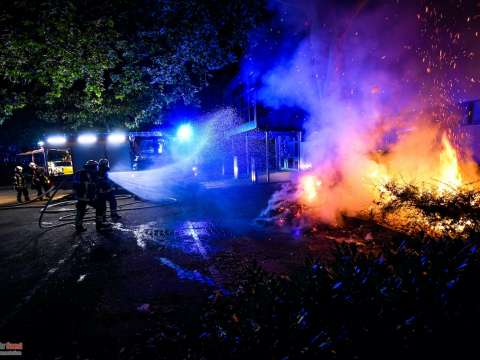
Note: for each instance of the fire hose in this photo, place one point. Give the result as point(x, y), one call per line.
point(50, 208)
point(53, 190)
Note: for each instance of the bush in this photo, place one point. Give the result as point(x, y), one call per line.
point(402, 301)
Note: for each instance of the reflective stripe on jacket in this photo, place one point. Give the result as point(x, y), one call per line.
point(19, 181)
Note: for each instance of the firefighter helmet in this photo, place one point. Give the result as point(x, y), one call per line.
point(91, 165)
point(18, 169)
point(32, 165)
point(104, 164)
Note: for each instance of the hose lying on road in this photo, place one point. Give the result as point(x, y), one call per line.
point(50, 208)
point(49, 194)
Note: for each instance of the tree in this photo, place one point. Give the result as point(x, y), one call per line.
point(104, 63)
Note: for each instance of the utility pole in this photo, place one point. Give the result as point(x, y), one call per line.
point(267, 167)
point(299, 150)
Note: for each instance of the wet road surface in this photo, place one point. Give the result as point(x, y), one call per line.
point(61, 291)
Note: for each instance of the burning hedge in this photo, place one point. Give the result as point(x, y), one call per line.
point(404, 207)
point(422, 183)
point(409, 208)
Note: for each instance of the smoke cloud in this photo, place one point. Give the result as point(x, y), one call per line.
point(374, 76)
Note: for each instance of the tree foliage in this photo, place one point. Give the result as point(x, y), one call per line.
point(99, 62)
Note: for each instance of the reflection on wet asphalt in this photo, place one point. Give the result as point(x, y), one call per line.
point(190, 237)
point(183, 274)
point(199, 238)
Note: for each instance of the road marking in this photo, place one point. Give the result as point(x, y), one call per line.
point(193, 275)
point(198, 243)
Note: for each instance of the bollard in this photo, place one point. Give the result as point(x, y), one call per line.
point(253, 171)
point(235, 167)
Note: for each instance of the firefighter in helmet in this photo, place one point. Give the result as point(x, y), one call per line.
point(86, 188)
point(107, 189)
point(40, 181)
point(20, 184)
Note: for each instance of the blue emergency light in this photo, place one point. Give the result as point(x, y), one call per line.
point(185, 133)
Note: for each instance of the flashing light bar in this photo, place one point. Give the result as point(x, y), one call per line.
point(57, 140)
point(87, 139)
point(117, 138)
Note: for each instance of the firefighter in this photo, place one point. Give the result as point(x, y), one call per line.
point(20, 184)
point(40, 181)
point(107, 190)
point(87, 192)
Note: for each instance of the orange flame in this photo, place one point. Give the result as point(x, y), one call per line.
point(450, 175)
point(310, 186)
point(358, 180)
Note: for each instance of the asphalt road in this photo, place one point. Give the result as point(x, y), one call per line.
point(99, 294)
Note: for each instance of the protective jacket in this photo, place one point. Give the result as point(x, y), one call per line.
point(85, 186)
point(38, 177)
point(105, 185)
point(19, 181)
